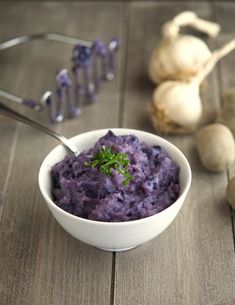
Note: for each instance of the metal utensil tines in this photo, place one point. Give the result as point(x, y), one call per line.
point(92, 63)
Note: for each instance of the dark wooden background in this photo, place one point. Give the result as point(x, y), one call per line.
point(192, 262)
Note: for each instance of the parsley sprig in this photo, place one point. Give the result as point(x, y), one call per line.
point(105, 159)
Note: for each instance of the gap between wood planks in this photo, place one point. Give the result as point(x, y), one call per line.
point(12, 150)
point(124, 59)
point(123, 72)
point(220, 91)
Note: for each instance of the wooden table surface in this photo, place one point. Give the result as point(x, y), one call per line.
point(192, 262)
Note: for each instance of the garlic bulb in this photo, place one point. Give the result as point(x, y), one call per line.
point(176, 106)
point(216, 147)
point(227, 115)
point(179, 57)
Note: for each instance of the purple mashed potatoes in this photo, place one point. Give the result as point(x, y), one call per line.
point(86, 192)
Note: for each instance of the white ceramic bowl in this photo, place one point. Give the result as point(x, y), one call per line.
point(113, 236)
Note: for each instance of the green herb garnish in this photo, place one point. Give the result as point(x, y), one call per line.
point(105, 159)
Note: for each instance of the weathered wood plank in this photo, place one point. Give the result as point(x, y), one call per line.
point(9, 130)
point(192, 262)
point(224, 15)
point(39, 262)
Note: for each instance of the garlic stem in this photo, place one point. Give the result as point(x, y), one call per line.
point(172, 28)
point(210, 28)
point(212, 61)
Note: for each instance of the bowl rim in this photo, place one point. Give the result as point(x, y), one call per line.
point(121, 223)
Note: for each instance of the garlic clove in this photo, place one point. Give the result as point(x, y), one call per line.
point(230, 192)
point(178, 58)
point(176, 107)
point(216, 147)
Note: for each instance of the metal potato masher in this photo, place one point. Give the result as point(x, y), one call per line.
point(92, 63)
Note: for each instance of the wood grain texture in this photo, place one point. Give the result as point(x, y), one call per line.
point(192, 262)
point(39, 262)
point(225, 16)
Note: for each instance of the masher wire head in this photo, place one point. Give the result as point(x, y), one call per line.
point(92, 63)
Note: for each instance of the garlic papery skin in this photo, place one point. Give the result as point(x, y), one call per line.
point(179, 57)
point(176, 107)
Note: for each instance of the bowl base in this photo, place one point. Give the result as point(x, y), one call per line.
point(115, 250)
